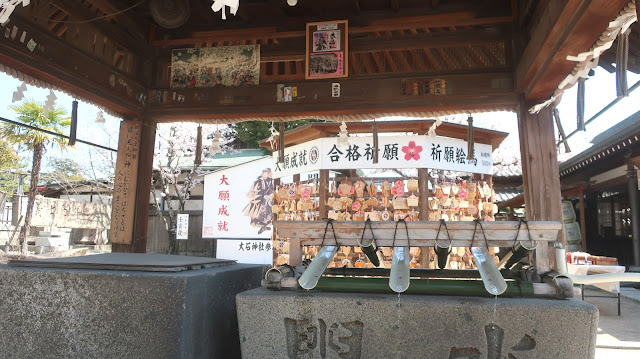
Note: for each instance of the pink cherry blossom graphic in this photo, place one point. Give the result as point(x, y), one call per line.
point(412, 151)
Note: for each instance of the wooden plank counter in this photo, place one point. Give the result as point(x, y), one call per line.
point(421, 234)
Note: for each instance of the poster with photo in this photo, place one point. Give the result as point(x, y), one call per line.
point(327, 50)
point(326, 41)
point(328, 64)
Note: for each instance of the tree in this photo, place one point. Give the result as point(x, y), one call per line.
point(32, 113)
point(10, 164)
point(175, 173)
point(252, 132)
point(63, 171)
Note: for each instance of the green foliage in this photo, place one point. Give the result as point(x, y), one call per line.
point(63, 171)
point(10, 163)
point(252, 132)
point(31, 113)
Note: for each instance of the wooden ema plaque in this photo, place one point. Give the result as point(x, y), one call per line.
point(327, 54)
point(124, 191)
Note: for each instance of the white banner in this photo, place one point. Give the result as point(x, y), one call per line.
point(411, 151)
point(182, 226)
point(237, 201)
point(245, 251)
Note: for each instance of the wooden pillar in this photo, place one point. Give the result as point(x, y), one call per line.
point(137, 220)
point(423, 191)
point(323, 193)
point(540, 174)
point(632, 187)
point(583, 220)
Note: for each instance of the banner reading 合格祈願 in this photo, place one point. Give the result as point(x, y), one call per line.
point(410, 151)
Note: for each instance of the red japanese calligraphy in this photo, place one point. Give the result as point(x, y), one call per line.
point(223, 180)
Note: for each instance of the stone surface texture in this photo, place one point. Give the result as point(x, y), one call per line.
point(50, 313)
point(289, 324)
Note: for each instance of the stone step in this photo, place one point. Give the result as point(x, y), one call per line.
point(52, 242)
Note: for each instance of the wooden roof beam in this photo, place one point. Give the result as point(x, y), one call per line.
point(565, 28)
point(70, 69)
point(434, 20)
point(390, 62)
point(417, 60)
point(469, 92)
point(115, 33)
point(138, 27)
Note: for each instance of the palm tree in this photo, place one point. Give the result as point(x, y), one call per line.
point(31, 113)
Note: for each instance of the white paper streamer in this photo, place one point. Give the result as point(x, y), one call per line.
point(589, 60)
point(7, 7)
point(343, 138)
point(19, 93)
point(50, 103)
point(220, 5)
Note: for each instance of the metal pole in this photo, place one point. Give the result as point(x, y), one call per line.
point(635, 215)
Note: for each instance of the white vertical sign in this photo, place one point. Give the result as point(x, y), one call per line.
point(257, 251)
point(237, 201)
point(182, 226)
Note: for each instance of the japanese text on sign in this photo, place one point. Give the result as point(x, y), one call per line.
point(395, 152)
point(124, 191)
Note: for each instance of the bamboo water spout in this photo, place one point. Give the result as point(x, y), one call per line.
point(400, 263)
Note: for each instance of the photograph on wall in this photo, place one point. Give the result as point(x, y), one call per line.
point(327, 50)
point(326, 41)
point(326, 64)
point(208, 67)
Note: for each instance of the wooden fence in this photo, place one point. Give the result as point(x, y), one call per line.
point(158, 237)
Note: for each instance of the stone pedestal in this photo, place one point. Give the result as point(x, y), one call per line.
point(49, 313)
point(286, 324)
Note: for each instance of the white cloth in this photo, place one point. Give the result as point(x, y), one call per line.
point(583, 269)
point(220, 4)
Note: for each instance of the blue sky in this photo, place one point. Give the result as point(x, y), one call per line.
point(600, 90)
point(103, 134)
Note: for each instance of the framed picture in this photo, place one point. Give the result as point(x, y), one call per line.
point(327, 53)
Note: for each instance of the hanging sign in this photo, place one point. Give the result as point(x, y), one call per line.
point(237, 201)
point(182, 226)
point(412, 151)
point(245, 251)
point(124, 187)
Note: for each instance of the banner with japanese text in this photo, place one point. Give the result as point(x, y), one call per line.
point(257, 251)
point(410, 151)
point(237, 201)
